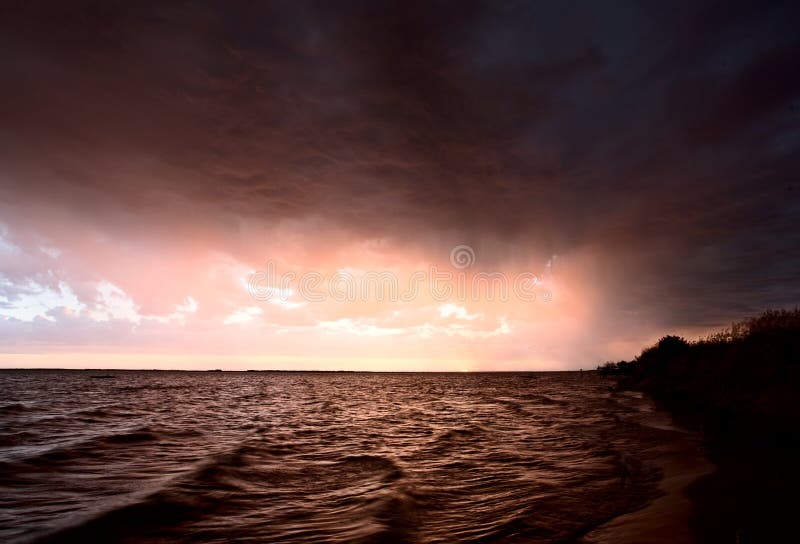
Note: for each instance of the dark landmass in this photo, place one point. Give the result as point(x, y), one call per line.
point(738, 387)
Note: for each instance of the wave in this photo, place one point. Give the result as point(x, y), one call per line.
point(544, 399)
point(95, 446)
point(461, 433)
point(152, 387)
point(16, 408)
point(372, 464)
point(512, 405)
point(225, 484)
point(15, 438)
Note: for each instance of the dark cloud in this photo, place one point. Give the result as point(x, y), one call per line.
point(663, 138)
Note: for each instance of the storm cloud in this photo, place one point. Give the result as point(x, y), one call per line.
point(653, 148)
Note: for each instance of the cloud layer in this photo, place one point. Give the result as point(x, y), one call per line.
point(152, 156)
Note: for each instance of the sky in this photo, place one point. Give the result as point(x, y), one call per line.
point(258, 185)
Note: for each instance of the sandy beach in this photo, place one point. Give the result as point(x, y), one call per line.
point(667, 519)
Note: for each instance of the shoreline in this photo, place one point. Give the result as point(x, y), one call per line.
point(668, 518)
point(739, 387)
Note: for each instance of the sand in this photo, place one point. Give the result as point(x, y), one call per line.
point(667, 518)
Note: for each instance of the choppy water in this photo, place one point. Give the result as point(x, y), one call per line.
point(316, 457)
